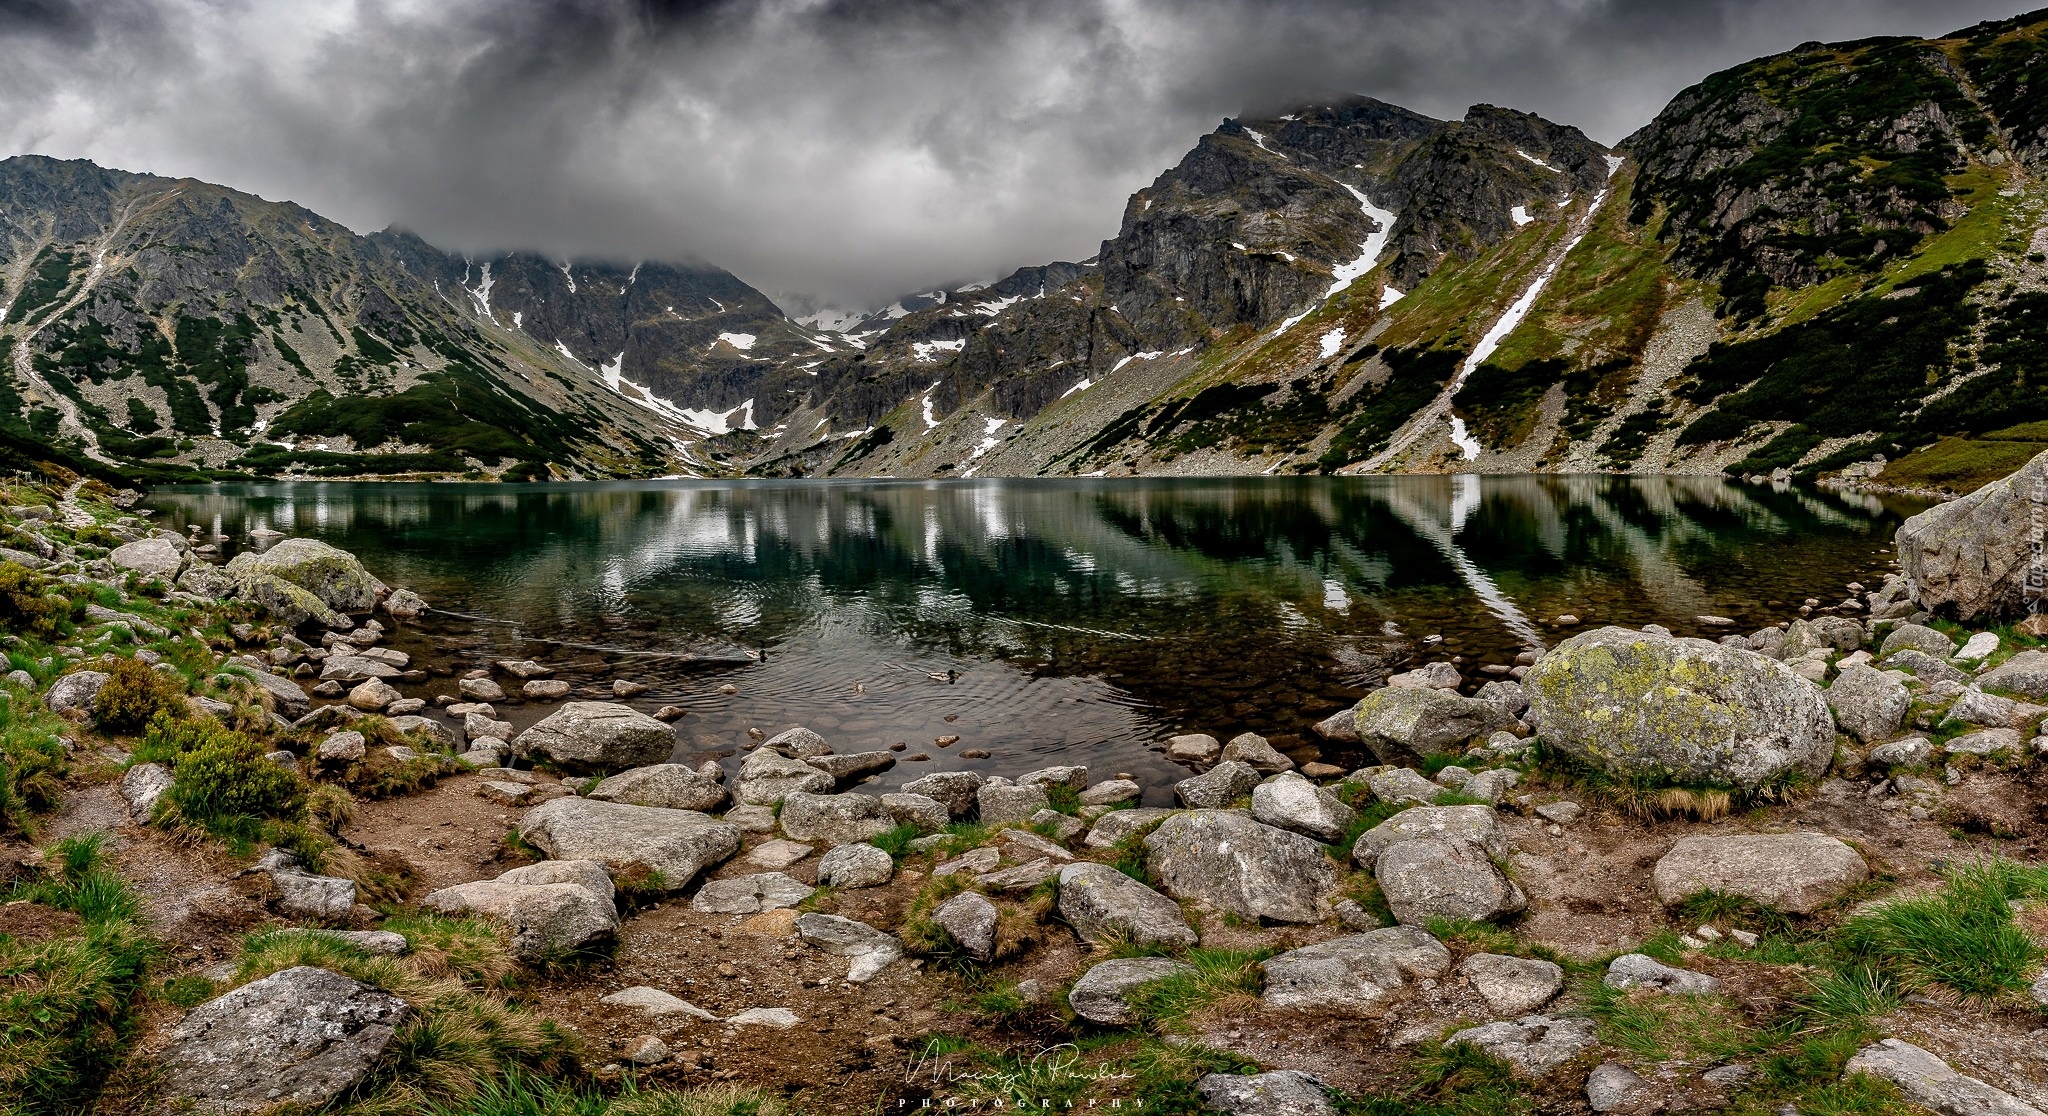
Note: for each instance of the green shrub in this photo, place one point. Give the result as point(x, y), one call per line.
point(134, 695)
point(221, 782)
point(26, 605)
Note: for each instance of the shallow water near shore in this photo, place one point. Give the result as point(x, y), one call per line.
point(1051, 620)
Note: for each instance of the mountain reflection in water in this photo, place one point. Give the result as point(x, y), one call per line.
point(1084, 620)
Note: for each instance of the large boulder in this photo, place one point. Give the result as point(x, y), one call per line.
point(1242, 866)
point(834, 819)
point(1868, 703)
point(285, 695)
point(2026, 673)
point(1104, 905)
point(1279, 1093)
point(1967, 559)
point(674, 786)
point(1100, 995)
point(155, 556)
point(554, 909)
point(1219, 786)
point(1435, 877)
point(767, 777)
point(855, 865)
point(583, 735)
point(955, 790)
point(1795, 872)
point(1645, 706)
point(1010, 803)
point(1359, 975)
point(1919, 637)
point(1292, 802)
point(1512, 985)
point(1478, 825)
point(77, 690)
point(333, 576)
point(1402, 724)
point(646, 842)
point(1932, 1083)
point(301, 1037)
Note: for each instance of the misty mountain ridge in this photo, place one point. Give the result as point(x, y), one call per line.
point(1796, 266)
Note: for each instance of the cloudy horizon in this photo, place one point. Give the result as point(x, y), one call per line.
point(826, 151)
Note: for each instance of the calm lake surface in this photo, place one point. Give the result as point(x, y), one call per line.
point(1051, 620)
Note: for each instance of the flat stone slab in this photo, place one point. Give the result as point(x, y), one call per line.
point(1928, 1081)
point(1795, 872)
point(300, 1037)
point(654, 1001)
point(762, 891)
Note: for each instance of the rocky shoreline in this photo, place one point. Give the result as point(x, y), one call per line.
point(1629, 830)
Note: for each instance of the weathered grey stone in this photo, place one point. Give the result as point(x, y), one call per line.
point(955, 790)
point(1512, 985)
point(335, 577)
point(675, 786)
point(1071, 776)
point(1113, 827)
point(356, 668)
point(1007, 803)
point(751, 819)
point(545, 689)
point(77, 690)
point(1292, 802)
point(141, 787)
point(304, 895)
point(798, 743)
point(1023, 877)
point(970, 920)
point(1063, 827)
point(2026, 673)
point(1478, 825)
point(1985, 742)
point(1533, 1045)
point(778, 854)
point(1341, 726)
point(768, 777)
point(551, 914)
point(1196, 748)
point(1242, 866)
point(1795, 872)
point(1104, 905)
point(1251, 748)
point(867, 949)
point(655, 1002)
point(1099, 996)
point(1978, 647)
point(155, 556)
point(1684, 710)
point(583, 735)
point(1611, 1087)
point(1975, 707)
point(927, 814)
point(1279, 1093)
point(1913, 751)
point(762, 891)
point(480, 689)
point(1635, 970)
point(1111, 792)
point(1967, 558)
point(1402, 725)
point(376, 943)
point(1932, 1083)
point(373, 695)
point(300, 1037)
point(855, 865)
point(436, 733)
point(834, 819)
point(1359, 974)
point(1927, 668)
point(854, 765)
point(1868, 703)
point(1433, 676)
point(1217, 787)
point(1509, 697)
point(639, 840)
point(1919, 637)
point(1400, 786)
point(1492, 786)
point(1435, 877)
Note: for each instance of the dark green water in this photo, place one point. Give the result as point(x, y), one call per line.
point(1084, 619)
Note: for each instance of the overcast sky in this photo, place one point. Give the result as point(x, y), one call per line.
point(822, 149)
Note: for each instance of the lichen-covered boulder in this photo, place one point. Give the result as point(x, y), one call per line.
point(646, 842)
point(332, 575)
point(1646, 706)
point(155, 556)
point(297, 1038)
point(582, 735)
point(1241, 866)
point(1401, 724)
point(1967, 559)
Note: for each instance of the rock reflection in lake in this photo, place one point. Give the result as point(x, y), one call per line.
point(1079, 619)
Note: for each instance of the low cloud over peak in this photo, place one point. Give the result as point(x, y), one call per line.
point(825, 150)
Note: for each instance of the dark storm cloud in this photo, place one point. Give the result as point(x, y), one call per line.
point(844, 149)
